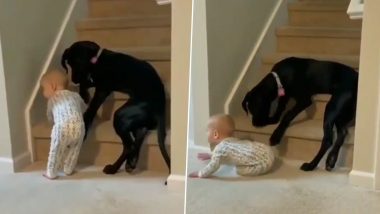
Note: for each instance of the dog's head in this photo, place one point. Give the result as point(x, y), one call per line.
point(79, 57)
point(258, 102)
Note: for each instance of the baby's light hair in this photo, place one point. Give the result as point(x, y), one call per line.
point(56, 76)
point(223, 123)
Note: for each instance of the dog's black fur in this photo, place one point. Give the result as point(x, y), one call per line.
point(114, 71)
point(302, 78)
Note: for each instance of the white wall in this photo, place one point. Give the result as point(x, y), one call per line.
point(266, 44)
point(180, 63)
point(5, 137)
point(366, 164)
point(27, 29)
point(224, 34)
point(233, 28)
point(199, 109)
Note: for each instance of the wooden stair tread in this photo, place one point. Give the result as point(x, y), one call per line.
point(350, 60)
point(148, 53)
point(124, 22)
point(101, 131)
point(300, 128)
point(292, 31)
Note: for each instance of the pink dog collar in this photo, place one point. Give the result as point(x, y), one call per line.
point(94, 59)
point(280, 88)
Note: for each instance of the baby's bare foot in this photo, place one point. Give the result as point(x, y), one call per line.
point(48, 177)
point(70, 173)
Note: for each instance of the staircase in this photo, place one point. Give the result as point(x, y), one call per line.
point(140, 28)
point(318, 29)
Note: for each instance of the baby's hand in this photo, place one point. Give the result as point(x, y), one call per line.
point(204, 156)
point(194, 175)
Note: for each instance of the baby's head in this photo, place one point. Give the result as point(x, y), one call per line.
point(53, 81)
point(219, 127)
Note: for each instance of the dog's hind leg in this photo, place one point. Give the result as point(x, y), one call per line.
point(334, 109)
point(346, 115)
point(134, 154)
point(113, 168)
point(333, 155)
point(301, 104)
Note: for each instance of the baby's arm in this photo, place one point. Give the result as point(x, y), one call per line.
point(219, 152)
point(204, 156)
point(212, 166)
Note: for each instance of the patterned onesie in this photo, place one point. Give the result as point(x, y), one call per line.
point(65, 109)
point(250, 158)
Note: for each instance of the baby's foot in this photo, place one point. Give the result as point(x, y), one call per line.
point(48, 177)
point(68, 173)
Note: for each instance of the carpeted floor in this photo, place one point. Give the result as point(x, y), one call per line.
point(286, 190)
point(89, 191)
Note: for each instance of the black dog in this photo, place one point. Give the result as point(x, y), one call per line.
point(300, 79)
point(109, 71)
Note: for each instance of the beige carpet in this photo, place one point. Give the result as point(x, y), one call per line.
point(286, 190)
point(87, 192)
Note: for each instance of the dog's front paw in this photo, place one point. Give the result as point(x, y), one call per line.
point(110, 170)
point(308, 167)
point(275, 138)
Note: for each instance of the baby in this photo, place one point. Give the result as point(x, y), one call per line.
point(65, 109)
point(250, 158)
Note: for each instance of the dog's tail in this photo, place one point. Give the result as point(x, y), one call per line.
point(161, 135)
point(244, 103)
point(64, 58)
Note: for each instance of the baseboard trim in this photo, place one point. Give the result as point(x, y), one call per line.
point(22, 161)
point(176, 183)
point(9, 165)
point(362, 179)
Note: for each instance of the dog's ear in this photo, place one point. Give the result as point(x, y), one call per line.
point(64, 58)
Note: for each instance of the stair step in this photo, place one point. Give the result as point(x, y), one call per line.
point(103, 146)
point(318, 32)
point(148, 53)
point(349, 60)
point(124, 22)
point(128, 37)
point(302, 149)
point(120, 8)
point(318, 40)
point(101, 131)
point(300, 129)
point(107, 110)
point(318, 6)
point(321, 14)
